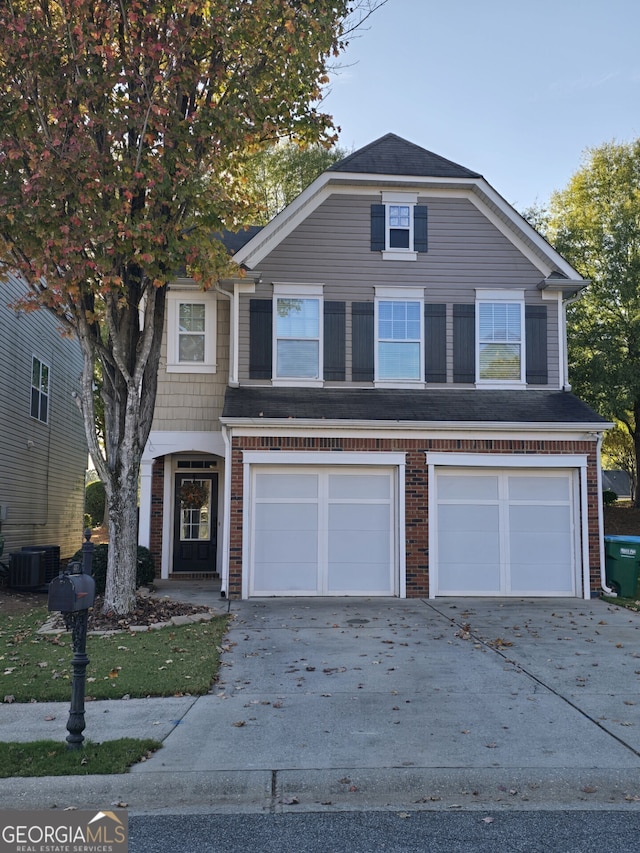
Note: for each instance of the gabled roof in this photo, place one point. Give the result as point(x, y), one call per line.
point(397, 163)
point(428, 407)
point(392, 155)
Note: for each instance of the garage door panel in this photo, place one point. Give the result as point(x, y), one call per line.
point(520, 544)
point(286, 517)
point(483, 488)
point(465, 579)
point(359, 486)
point(547, 488)
point(359, 578)
point(326, 532)
point(366, 518)
point(284, 485)
point(273, 578)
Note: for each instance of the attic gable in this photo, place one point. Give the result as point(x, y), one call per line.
point(392, 155)
point(397, 164)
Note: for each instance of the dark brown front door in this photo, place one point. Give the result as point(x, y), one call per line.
point(195, 522)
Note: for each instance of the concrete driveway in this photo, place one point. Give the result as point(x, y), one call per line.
point(344, 700)
point(370, 703)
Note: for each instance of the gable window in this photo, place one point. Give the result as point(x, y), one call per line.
point(399, 226)
point(399, 335)
point(191, 333)
point(399, 230)
point(298, 332)
point(500, 337)
point(39, 390)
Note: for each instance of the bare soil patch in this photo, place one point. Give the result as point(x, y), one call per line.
point(622, 520)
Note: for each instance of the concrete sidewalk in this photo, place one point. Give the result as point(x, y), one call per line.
point(353, 703)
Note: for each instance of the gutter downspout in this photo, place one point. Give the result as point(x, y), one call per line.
point(603, 578)
point(226, 524)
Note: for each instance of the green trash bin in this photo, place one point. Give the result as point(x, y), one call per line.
point(622, 562)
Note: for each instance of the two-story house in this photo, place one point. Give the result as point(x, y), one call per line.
point(43, 450)
point(378, 405)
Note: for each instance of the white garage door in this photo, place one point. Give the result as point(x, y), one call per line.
point(322, 532)
point(505, 533)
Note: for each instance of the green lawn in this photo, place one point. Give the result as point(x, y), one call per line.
point(170, 661)
point(52, 758)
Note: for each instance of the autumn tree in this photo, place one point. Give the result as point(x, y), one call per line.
point(595, 224)
point(123, 124)
point(276, 175)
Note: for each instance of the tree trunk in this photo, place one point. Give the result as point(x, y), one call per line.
point(120, 591)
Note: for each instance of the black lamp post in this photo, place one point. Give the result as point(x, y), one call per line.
point(73, 594)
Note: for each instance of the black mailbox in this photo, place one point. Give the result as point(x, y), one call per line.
point(71, 592)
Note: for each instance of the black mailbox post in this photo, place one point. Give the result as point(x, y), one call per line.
point(73, 594)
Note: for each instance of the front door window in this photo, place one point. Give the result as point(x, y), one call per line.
point(195, 508)
point(195, 525)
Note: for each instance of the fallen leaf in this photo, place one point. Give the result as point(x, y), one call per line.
point(239, 724)
point(589, 789)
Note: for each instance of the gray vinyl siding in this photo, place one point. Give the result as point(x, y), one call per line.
point(466, 251)
point(42, 466)
point(192, 402)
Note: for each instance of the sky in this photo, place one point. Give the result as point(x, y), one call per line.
point(516, 90)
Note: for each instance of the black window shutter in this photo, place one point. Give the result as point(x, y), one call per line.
point(334, 340)
point(377, 228)
point(435, 345)
point(420, 228)
point(464, 343)
point(536, 344)
point(362, 341)
point(260, 338)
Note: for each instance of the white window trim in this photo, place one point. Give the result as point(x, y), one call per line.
point(410, 200)
point(399, 294)
point(210, 302)
point(298, 291)
point(513, 296)
point(41, 394)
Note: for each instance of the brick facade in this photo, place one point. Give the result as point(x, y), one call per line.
point(416, 490)
point(157, 497)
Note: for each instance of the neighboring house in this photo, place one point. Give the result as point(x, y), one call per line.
point(43, 450)
point(617, 481)
point(378, 405)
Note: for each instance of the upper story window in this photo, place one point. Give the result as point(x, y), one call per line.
point(399, 335)
point(500, 337)
point(191, 322)
point(39, 390)
point(399, 226)
point(298, 332)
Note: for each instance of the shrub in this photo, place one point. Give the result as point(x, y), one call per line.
point(145, 570)
point(609, 497)
point(94, 502)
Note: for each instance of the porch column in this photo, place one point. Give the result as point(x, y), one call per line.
point(144, 523)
